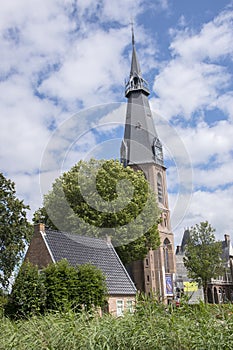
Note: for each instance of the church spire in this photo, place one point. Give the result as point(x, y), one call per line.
point(141, 144)
point(135, 67)
point(132, 30)
point(136, 80)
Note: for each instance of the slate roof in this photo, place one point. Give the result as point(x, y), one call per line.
point(81, 249)
point(138, 146)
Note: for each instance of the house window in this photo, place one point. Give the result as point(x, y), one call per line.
point(129, 306)
point(119, 307)
point(148, 278)
point(147, 262)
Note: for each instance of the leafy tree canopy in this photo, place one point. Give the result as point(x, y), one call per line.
point(100, 198)
point(15, 230)
point(203, 255)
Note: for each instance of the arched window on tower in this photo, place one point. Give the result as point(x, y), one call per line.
point(166, 248)
point(124, 153)
point(160, 188)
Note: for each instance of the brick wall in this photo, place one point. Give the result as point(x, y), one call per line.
point(38, 253)
point(112, 303)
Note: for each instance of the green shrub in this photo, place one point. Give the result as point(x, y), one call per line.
point(59, 286)
point(69, 287)
point(3, 302)
point(28, 292)
point(92, 288)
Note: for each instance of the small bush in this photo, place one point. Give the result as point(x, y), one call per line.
point(28, 294)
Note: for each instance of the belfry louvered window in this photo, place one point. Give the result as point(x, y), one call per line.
point(160, 188)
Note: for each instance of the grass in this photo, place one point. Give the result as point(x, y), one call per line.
point(151, 327)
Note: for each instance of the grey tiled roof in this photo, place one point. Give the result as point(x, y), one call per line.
point(80, 250)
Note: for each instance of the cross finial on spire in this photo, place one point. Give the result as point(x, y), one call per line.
point(132, 29)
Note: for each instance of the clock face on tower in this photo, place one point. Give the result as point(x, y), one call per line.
point(158, 151)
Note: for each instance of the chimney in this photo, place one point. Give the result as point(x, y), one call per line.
point(39, 228)
point(108, 239)
point(227, 239)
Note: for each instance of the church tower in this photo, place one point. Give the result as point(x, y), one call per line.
point(142, 149)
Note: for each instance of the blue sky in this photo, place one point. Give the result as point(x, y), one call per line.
point(62, 72)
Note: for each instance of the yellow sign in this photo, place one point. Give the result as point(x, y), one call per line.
point(190, 286)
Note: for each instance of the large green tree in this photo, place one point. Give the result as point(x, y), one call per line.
point(203, 255)
point(15, 230)
point(100, 198)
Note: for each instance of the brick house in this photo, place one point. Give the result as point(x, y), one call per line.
point(48, 246)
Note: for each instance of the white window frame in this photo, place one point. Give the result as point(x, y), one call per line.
point(119, 308)
point(129, 305)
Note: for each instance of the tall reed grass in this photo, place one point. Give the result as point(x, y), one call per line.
point(151, 327)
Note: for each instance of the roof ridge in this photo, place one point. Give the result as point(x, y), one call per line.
point(76, 235)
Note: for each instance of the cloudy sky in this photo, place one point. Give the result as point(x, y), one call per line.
point(62, 72)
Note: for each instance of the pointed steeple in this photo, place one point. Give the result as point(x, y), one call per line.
point(141, 143)
point(135, 67)
point(136, 80)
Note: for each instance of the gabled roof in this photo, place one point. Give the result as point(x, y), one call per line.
point(101, 253)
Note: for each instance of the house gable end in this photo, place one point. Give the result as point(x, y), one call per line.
point(38, 252)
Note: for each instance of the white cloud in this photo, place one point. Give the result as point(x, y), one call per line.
point(213, 178)
point(91, 68)
point(195, 78)
point(121, 11)
point(212, 42)
point(215, 207)
point(203, 141)
point(185, 87)
point(59, 44)
point(225, 103)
